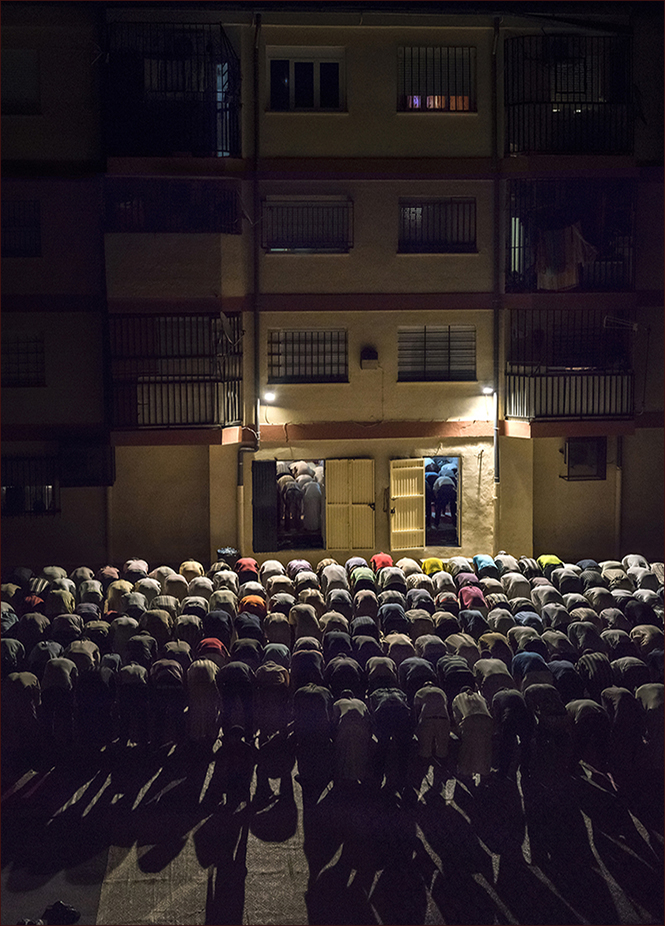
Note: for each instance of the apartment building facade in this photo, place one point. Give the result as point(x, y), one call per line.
point(366, 239)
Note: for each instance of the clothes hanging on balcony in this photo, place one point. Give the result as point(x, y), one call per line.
point(559, 253)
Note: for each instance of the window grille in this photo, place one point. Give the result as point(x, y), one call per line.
point(172, 89)
point(569, 339)
point(568, 94)
point(436, 353)
point(23, 360)
point(442, 226)
point(175, 371)
point(21, 228)
point(307, 356)
point(307, 226)
point(30, 486)
point(436, 79)
point(570, 234)
point(165, 205)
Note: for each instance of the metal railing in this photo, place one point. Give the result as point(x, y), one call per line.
point(438, 226)
point(175, 371)
point(299, 356)
point(436, 78)
point(569, 394)
point(568, 94)
point(294, 225)
point(150, 204)
point(171, 89)
point(30, 486)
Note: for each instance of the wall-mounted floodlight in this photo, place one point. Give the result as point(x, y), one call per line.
point(269, 397)
point(487, 390)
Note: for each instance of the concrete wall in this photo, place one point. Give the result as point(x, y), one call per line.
point(515, 534)
point(160, 504)
point(66, 37)
point(70, 213)
point(73, 394)
point(642, 498)
point(573, 520)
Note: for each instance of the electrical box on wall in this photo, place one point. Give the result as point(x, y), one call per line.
point(585, 458)
point(369, 358)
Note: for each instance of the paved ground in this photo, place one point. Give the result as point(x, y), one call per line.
point(131, 838)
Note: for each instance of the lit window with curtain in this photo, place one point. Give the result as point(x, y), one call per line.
point(436, 79)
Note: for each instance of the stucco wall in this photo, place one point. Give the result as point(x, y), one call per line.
point(223, 496)
point(75, 537)
point(160, 504)
point(73, 394)
point(573, 520)
point(371, 126)
point(375, 394)
point(643, 503)
point(515, 533)
point(373, 264)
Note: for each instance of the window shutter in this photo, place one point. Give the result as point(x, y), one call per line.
point(350, 502)
point(407, 504)
point(264, 506)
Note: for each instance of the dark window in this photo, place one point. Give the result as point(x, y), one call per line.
point(437, 353)
point(21, 228)
point(442, 226)
point(176, 371)
point(165, 205)
point(307, 82)
point(585, 458)
point(21, 92)
point(436, 79)
point(307, 226)
point(23, 360)
point(567, 339)
point(172, 89)
point(30, 486)
point(307, 357)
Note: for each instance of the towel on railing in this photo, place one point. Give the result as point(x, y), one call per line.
point(559, 253)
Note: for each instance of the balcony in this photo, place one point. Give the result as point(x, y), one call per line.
point(171, 89)
point(568, 94)
point(568, 363)
point(569, 234)
point(569, 394)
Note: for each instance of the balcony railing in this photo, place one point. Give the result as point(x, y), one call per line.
point(569, 394)
point(175, 371)
point(568, 94)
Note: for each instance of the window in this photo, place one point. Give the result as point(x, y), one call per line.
point(585, 458)
point(445, 226)
point(21, 228)
point(166, 205)
point(307, 357)
point(306, 78)
point(21, 94)
point(436, 353)
point(436, 79)
point(23, 360)
point(171, 89)
point(176, 370)
point(299, 225)
point(30, 486)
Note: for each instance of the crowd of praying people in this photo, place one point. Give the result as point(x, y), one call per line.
point(474, 668)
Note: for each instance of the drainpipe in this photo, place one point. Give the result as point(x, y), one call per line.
point(256, 241)
point(496, 272)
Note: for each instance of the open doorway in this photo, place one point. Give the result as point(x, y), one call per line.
point(442, 479)
point(301, 504)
